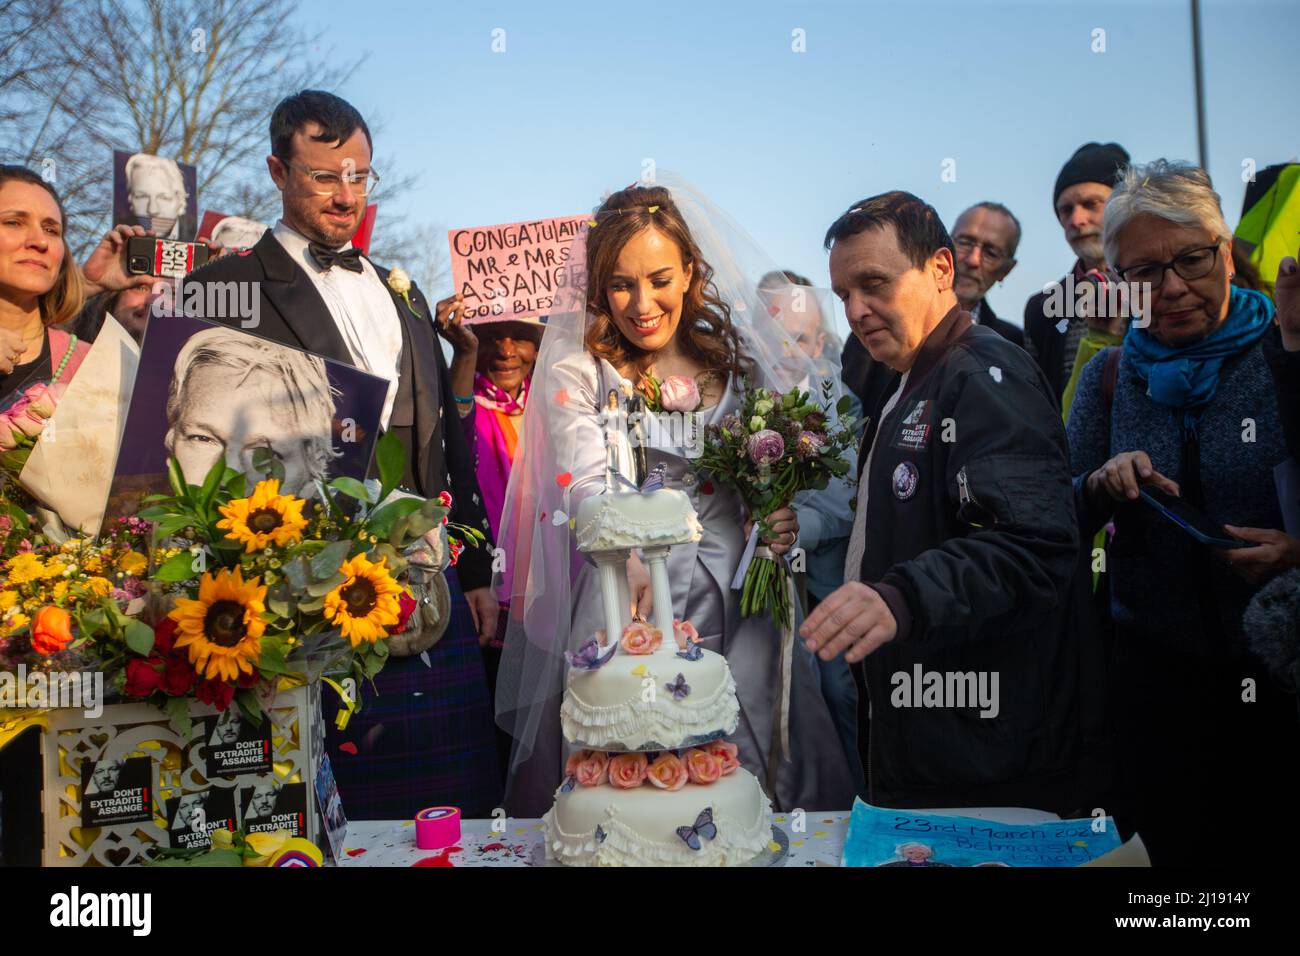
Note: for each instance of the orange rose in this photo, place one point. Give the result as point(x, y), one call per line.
point(684, 632)
point(640, 638)
point(702, 767)
point(668, 772)
point(727, 753)
point(589, 767)
point(627, 771)
point(52, 630)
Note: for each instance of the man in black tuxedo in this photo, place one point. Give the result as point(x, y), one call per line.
point(318, 293)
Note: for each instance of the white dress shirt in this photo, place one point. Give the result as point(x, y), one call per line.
point(362, 308)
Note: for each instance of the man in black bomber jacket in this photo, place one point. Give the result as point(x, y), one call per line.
point(965, 560)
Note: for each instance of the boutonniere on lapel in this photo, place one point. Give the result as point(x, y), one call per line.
point(400, 283)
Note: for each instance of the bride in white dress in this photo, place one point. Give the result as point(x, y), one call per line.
point(654, 304)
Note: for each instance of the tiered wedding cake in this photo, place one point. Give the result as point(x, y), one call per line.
point(654, 783)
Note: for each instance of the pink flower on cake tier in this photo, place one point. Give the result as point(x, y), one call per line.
point(641, 638)
point(702, 767)
point(727, 753)
point(679, 393)
point(627, 771)
point(683, 632)
point(589, 767)
point(668, 772)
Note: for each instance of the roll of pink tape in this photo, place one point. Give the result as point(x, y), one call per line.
point(437, 827)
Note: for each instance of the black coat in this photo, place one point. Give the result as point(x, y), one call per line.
point(1048, 341)
point(979, 558)
point(293, 313)
point(1002, 327)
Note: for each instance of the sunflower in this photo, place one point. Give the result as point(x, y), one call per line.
point(265, 517)
point(222, 629)
point(367, 602)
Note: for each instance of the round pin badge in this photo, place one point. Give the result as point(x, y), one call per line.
point(906, 478)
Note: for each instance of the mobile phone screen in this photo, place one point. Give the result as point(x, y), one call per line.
point(1191, 521)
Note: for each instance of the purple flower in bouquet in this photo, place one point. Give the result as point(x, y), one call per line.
point(808, 445)
point(679, 393)
point(815, 421)
point(766, 447)
point(733, 426)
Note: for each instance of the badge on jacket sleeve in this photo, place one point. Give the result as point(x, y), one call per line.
point(906, 478)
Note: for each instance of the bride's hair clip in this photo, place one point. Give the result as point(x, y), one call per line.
point(592, 222)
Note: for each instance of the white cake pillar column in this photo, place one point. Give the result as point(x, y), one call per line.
point(612, 566)
point(657, 561)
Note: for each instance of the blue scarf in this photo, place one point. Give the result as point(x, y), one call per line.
point(1186, 378)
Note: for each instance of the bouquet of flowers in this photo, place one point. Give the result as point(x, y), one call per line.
point(21, 422)
point(269, 587)
point(778, 446)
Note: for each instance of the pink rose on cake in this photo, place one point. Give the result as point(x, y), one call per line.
point(668, 772)
point(702, 767)
point(679, 393)
point(641, 638)
point(684, 632)
point(627, 771)
point(727, 754)
point(589, 767)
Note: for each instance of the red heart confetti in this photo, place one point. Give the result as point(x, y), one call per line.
point(706, 488)
point(774, 310)
point(438, 859)
point(562, 397)
point(348, 748)
point(564, 479)
point(356, 852)
point(541, 517)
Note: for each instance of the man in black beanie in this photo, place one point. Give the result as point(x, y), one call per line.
point(1082, 188)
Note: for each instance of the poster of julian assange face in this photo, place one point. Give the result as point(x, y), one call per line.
point(208, 392)
point(116, 791)
point(157, 193)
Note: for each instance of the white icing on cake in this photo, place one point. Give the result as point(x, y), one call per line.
point(640, 825)
point(604, 709)
point(630, 519)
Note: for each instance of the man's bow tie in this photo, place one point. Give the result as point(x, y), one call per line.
point(325, 257)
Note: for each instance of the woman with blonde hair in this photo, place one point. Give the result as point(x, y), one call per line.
point(40, 287)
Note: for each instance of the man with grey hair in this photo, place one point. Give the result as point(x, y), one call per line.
point(1078, 199)
point(232, 393)
point(986, 236)
point(156, 191)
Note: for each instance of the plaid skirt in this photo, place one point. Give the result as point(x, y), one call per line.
point(428, 737)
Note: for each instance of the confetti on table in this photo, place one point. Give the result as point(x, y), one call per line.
point(797, 843)
point(639, 670)
point(348, 747)
point(819, 833)
point(356, 852)
point(774, 847)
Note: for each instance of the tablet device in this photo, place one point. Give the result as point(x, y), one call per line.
point(1191, 521)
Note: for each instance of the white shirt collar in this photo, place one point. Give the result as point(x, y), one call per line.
point(295, 243)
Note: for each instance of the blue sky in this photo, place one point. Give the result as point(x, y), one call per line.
point(785, 141)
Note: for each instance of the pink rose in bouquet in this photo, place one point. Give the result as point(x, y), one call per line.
point(589, 767)
point(641, 638)
point(727, 754)
point(667, 772)
point(702, 767)
point(766, 447)
point(679, 393)
point(627, 771)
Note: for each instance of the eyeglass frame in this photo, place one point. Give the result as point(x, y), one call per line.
point(371, 176)
point(999, 256)
point(1170, 264)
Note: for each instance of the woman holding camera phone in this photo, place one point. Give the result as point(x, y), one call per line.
point(1203, 730)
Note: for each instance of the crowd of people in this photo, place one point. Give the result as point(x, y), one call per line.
point(995, 521)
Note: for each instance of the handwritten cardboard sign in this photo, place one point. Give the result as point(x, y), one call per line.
point(516, 270)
